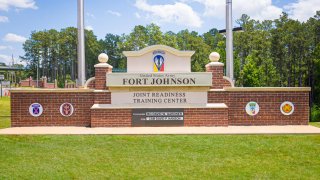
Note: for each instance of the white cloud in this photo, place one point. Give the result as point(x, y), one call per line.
point(303, 9)
point(90, 28)
point(256, 9)
point(179, 13)
point(4, 19)
point(137, 15)
point(5, 47)
point(5, 59)
point(115, 13)
point(91, 15)
point(20, 4)
point(10, 37)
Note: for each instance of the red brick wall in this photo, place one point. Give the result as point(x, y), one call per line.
point(206, 117)
point(102, 97)
point(269, 103)
point(91, 85)
point(193, 117)
point(100, 77)
point(111, 117)
point(51, 101)
point(217, 77)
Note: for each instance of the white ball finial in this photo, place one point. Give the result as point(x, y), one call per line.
point(214, 57)
point(103, 58)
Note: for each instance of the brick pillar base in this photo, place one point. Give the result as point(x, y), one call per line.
point(101, 71)
point(218, 80)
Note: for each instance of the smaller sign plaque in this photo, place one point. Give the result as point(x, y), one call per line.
point(157, 117)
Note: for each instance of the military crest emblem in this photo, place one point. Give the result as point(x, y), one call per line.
point(66, 109)
point(158, 61)
point(252, 108)
point(287, 108)
point(35, 109)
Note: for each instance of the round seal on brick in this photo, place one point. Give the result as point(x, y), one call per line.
point(66, 109)
point(287, 108)
point(252, 108)
point(35, 109)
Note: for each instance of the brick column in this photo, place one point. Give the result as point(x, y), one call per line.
point(101, 71)
point(216, 68)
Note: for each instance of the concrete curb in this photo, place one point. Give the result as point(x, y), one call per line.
point(305, 129)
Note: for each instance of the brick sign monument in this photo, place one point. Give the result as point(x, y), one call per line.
point(159, 89)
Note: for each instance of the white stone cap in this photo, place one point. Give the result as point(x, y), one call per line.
point(103, 65)
point(103, 59)
point(214, 58)
point(215, 64)
point(148, 106)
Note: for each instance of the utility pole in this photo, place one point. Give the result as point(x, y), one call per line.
point(81, 50)
point(229, 39)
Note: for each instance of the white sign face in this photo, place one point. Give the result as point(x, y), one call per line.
point(66, 109)
point(35, 109)
point(252, 108)
point(287, 108)
point(160, 98)
point(159, 79)
point(1, 76)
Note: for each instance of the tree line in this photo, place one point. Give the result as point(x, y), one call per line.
point(281, 52)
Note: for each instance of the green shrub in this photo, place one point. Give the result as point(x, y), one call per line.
point(315, 113)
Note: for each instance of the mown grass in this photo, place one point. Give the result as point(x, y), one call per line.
point(163, 157)
point(316, 124)
point(160, 157)
point(5, 112)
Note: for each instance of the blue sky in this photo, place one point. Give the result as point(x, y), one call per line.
point(18, 18)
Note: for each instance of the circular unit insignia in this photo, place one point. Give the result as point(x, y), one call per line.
point(35, 109)
point(66, 109)
point(252, 108)
point(287, 108)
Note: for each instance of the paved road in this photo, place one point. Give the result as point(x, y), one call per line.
point(166, 130)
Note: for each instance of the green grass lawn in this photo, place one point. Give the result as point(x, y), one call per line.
point(157, 157)
point(316, 124)
point(163, 157)
point(4, 112)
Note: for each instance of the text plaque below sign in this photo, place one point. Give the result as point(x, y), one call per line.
point(157, 117)
point(159, 79)
point(159, 98)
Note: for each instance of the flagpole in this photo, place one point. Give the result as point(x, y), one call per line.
point(229, 40)
point(81, 47)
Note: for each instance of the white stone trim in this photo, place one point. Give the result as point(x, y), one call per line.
point(129, 106)
point(103, 65)
point(278, 89)
point(230, 81)
point(99, 91)
point(157, 47)
point(215, 64)
point(88, 81)
point(50, 90)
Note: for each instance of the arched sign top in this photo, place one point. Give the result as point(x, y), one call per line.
point(158, 58)
point(158, 47)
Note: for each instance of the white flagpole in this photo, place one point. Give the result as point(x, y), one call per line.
point(81, 47)
point(229, 40)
